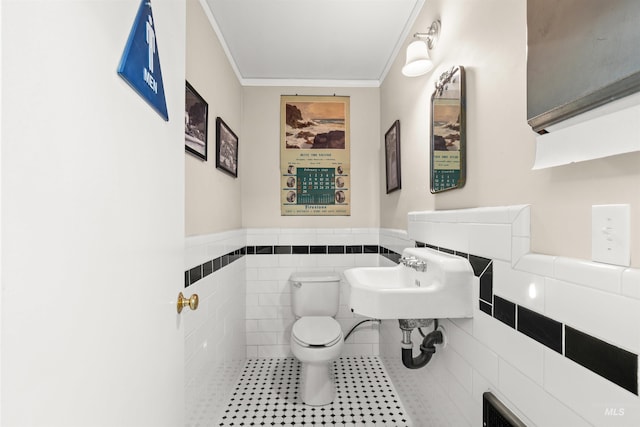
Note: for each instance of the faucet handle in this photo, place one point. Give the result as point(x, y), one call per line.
point(407, 261)
point(420, 266)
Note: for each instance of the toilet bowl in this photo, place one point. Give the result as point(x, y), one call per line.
point(316, 341)
point(316, 337)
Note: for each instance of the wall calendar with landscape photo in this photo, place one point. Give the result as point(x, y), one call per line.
point(314, 156)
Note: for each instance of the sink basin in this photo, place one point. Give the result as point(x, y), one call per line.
point(443, 290)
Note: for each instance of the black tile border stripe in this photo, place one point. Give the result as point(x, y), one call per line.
point(198, 272)
point(504, 311)
point(541, 328)
point(201, 271)
point(606, 360)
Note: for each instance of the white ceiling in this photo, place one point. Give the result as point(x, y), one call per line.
point(312, 42)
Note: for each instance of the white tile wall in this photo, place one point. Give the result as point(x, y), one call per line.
point(245, 312)
point(539, 385)
point(215, 338)
point(268, 298)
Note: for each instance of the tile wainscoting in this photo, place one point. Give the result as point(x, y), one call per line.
point(556, 339)
point(215, 342)
point(276, 254)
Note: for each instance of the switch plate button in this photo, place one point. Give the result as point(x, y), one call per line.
point(610, 234)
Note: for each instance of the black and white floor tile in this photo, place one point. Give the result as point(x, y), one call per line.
point(267, 395)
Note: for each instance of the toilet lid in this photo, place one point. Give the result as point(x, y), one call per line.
point(317, 330)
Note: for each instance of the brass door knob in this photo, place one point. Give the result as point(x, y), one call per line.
point(191, 302)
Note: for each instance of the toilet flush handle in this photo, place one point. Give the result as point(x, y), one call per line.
point(297, 284)
point(191, 302)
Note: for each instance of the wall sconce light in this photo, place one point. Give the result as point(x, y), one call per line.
point(418, 61)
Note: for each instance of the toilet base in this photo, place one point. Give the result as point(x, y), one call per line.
point(317, 387)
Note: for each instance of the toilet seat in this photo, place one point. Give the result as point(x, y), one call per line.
point(316, 331)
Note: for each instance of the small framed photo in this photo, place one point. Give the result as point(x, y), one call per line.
point(392, 157)
point(196, 113)
point(226, 148)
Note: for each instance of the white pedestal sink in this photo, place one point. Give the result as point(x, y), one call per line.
point(443, 290)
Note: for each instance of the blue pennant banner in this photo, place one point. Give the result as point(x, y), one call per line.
point(140, 63)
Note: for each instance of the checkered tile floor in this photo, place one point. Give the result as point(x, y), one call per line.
point(267, 395)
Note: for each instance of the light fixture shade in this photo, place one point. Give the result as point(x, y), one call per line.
point(418, 61)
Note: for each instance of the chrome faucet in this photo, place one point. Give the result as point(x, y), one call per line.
point(415, 263)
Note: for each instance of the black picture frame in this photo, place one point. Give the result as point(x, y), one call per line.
point(226, 148)
point(196, 123)
point(392, 157)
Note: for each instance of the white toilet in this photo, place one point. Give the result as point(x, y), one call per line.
point(316, 337)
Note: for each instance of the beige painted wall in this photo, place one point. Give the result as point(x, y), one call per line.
point(212, 198)
point(260, 159)
point(489, 39)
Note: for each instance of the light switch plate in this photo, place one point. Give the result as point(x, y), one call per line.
point(611, 234)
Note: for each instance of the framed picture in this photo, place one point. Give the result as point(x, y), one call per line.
point(448, 131)
point(226, 148)
point(196, 113)
point(392, 157)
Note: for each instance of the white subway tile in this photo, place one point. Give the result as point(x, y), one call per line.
point(298, 239)
point(520, 218)
point(336, 260)
point(320, 231)
point(509, 344)
point(261, 262)
point(528, 397)
point(420, 231)
point(251, 325)
point(251, 273)
point(278, 300)
point(457, 366)
point(478, 355)
point(351, 349)
point(451, 236)
point(462, 398)
point(284, 287)
point(365, 336)
point(589, 394)
point(520, 246)
point(266, 239)
point(283, 312)
point(366, 260)
point(596, 275)
point(261, 338)
point(331, 239)
point(519, 287)
point(631, 283)
point(296, 261)
point(268, 351)
point(541, 265)
point(490, 241)
point(262, 286)
point(284, 273)
point(252, 352)
point(260, 312)
point(610, 317)
point(487, 215)
point(267, 273)
point(252, 299)
point(274, 325)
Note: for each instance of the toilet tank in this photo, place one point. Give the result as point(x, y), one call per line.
point(315, 293)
